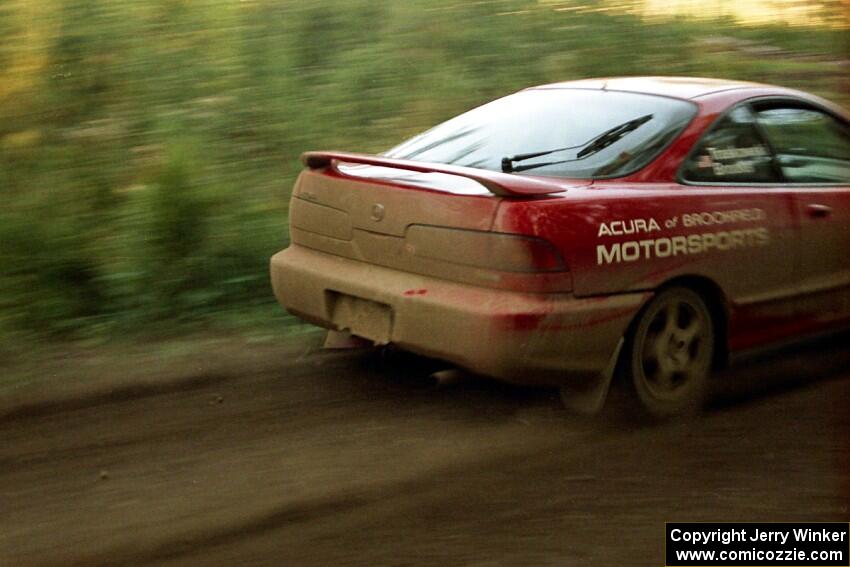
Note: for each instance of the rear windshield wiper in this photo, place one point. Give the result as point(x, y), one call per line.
point(592, 146)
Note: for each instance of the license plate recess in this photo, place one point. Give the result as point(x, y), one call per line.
point(362, 317)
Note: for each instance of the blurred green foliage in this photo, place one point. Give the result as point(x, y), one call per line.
point(147, 147)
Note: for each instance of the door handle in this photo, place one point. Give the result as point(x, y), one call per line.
point(817, 211)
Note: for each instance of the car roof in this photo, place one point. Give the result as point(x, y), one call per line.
point(677, 87)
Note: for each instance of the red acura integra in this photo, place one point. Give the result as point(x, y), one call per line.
point(646, 227)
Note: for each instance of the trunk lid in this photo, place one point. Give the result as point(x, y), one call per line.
point(335, 205)
point(396, 218)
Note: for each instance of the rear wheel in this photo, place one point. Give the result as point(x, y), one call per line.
point(669, 354)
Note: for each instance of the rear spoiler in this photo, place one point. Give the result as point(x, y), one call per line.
point(502, 184)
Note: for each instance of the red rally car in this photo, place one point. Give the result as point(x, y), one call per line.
point(646, 226)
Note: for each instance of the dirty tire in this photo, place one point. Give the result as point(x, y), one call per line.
point(669, 353)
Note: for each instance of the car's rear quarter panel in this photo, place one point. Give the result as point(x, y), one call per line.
point(755, 272)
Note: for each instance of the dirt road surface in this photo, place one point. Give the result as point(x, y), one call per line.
point(337, 458)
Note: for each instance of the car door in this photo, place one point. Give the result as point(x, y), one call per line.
point(812, 149)
point(762, 283)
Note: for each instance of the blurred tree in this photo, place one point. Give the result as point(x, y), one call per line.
point(148, 146)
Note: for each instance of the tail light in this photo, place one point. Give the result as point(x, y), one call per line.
point(489, 250)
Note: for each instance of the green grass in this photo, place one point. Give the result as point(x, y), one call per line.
point(148, 147)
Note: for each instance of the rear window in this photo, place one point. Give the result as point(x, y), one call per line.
point(545, 119)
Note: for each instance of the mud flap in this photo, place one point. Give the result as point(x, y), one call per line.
point(588, 396)
point(343, 340)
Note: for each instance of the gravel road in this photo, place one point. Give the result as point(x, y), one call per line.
point(339, 458)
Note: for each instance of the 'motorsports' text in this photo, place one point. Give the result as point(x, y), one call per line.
point(692, 244)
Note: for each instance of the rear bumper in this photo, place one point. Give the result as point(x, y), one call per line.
point(519, 337)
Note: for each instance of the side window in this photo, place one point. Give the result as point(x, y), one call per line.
point(811, 146)
point(733, 151)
